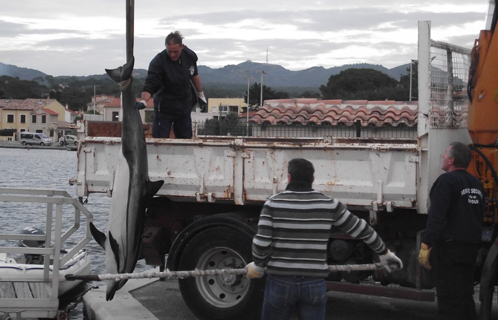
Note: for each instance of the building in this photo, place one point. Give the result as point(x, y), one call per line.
point(99, 102)
point(41, 120)
point(112, 111)
point(70, 115)
point(220, 107)
point(30, 114)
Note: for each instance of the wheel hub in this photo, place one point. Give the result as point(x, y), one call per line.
point(222, 290)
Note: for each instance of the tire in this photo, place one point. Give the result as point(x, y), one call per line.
point(220, 297)
point(42, 144)
point(24, 143)
point(488, 282)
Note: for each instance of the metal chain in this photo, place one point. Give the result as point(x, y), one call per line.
point(62, 314)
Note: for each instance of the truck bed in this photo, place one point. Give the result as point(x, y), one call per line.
point(369, 173)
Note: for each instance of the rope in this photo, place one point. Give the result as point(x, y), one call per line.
point(123, 85)
point(214, 272)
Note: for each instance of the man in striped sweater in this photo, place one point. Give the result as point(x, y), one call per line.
point(291, 244)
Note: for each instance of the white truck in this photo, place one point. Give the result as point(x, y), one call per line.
point(206, 213)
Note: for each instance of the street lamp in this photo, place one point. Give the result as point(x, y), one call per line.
point(94, 97)
point(411, 76)
point(247, 121)
point(261, 96)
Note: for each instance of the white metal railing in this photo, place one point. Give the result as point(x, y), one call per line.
point(52, 245)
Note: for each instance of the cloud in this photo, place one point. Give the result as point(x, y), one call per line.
point(81, 38)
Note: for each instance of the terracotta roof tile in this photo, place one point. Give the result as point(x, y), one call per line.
point(50, 111)
point(319, 112)
point(24, 104)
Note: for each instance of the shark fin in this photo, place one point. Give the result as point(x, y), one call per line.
point(114, 247)
point(98, 235)
point(153, 187)
point(122, 73)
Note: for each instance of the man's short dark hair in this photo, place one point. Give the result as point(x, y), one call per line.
point(174, 38)
point(301, 170)
point(461, 154)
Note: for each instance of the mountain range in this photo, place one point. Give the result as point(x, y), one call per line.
point(274, 76)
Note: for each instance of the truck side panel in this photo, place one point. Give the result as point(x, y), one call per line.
point(373, 175)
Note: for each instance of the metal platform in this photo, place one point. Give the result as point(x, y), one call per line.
point(22, 298)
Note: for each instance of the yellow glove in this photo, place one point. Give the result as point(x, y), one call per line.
point(423, 256)
point(253, 271)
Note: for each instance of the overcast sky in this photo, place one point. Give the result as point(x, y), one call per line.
point(62, 37)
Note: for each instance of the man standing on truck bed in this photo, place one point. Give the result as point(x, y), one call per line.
point(453, 233)
point(170, 77)
point(291, 243)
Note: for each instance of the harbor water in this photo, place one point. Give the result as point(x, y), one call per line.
point(52, 169)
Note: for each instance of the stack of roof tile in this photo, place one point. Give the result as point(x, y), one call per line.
point(334, 112)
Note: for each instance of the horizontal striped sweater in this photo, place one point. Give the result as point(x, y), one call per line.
point(294, 229)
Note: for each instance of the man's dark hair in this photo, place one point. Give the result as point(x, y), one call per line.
point(301, 170)
point(461, 154)
point(174, 38)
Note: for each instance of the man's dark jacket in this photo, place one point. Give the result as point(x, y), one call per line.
point(457, 208)
point(170, 83)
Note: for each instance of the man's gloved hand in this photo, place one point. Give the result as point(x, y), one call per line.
point(423, 256)
point(202, 101)
point(141, 105)
point(253, 271)
point(389, 259)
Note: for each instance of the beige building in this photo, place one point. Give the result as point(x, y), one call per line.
point(220, 107)
point(34, 115)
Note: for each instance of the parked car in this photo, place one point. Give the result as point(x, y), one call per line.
point(70, 139)
point(35, 138)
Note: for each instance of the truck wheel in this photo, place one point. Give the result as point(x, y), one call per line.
point(24, 143)
point(226, 296)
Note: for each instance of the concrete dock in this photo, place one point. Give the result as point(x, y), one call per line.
point(154, 299)
point(18, 145)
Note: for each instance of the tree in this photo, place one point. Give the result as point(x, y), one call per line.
point(359, 84)
point(14, 88)
point(268, 94)
point(310, 94)
point(92, 111)
point(74, 97)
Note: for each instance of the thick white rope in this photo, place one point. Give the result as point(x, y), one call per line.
point(214, 272)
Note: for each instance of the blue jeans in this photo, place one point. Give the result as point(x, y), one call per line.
point(307, 294)
point(161, 126)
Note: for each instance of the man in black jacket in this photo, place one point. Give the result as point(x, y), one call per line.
point(171, 78)
point(453, 234)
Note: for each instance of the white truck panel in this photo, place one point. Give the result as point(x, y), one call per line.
point(374, 175)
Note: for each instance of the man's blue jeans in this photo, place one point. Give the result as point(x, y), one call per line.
point(307, 294)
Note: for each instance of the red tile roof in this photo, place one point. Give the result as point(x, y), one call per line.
point(25, 104)
point(72, 111)
point(314, 111)
point(50, 111)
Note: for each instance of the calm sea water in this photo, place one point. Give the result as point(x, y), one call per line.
point(51, 169)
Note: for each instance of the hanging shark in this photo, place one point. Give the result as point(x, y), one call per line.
point(132, 189)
